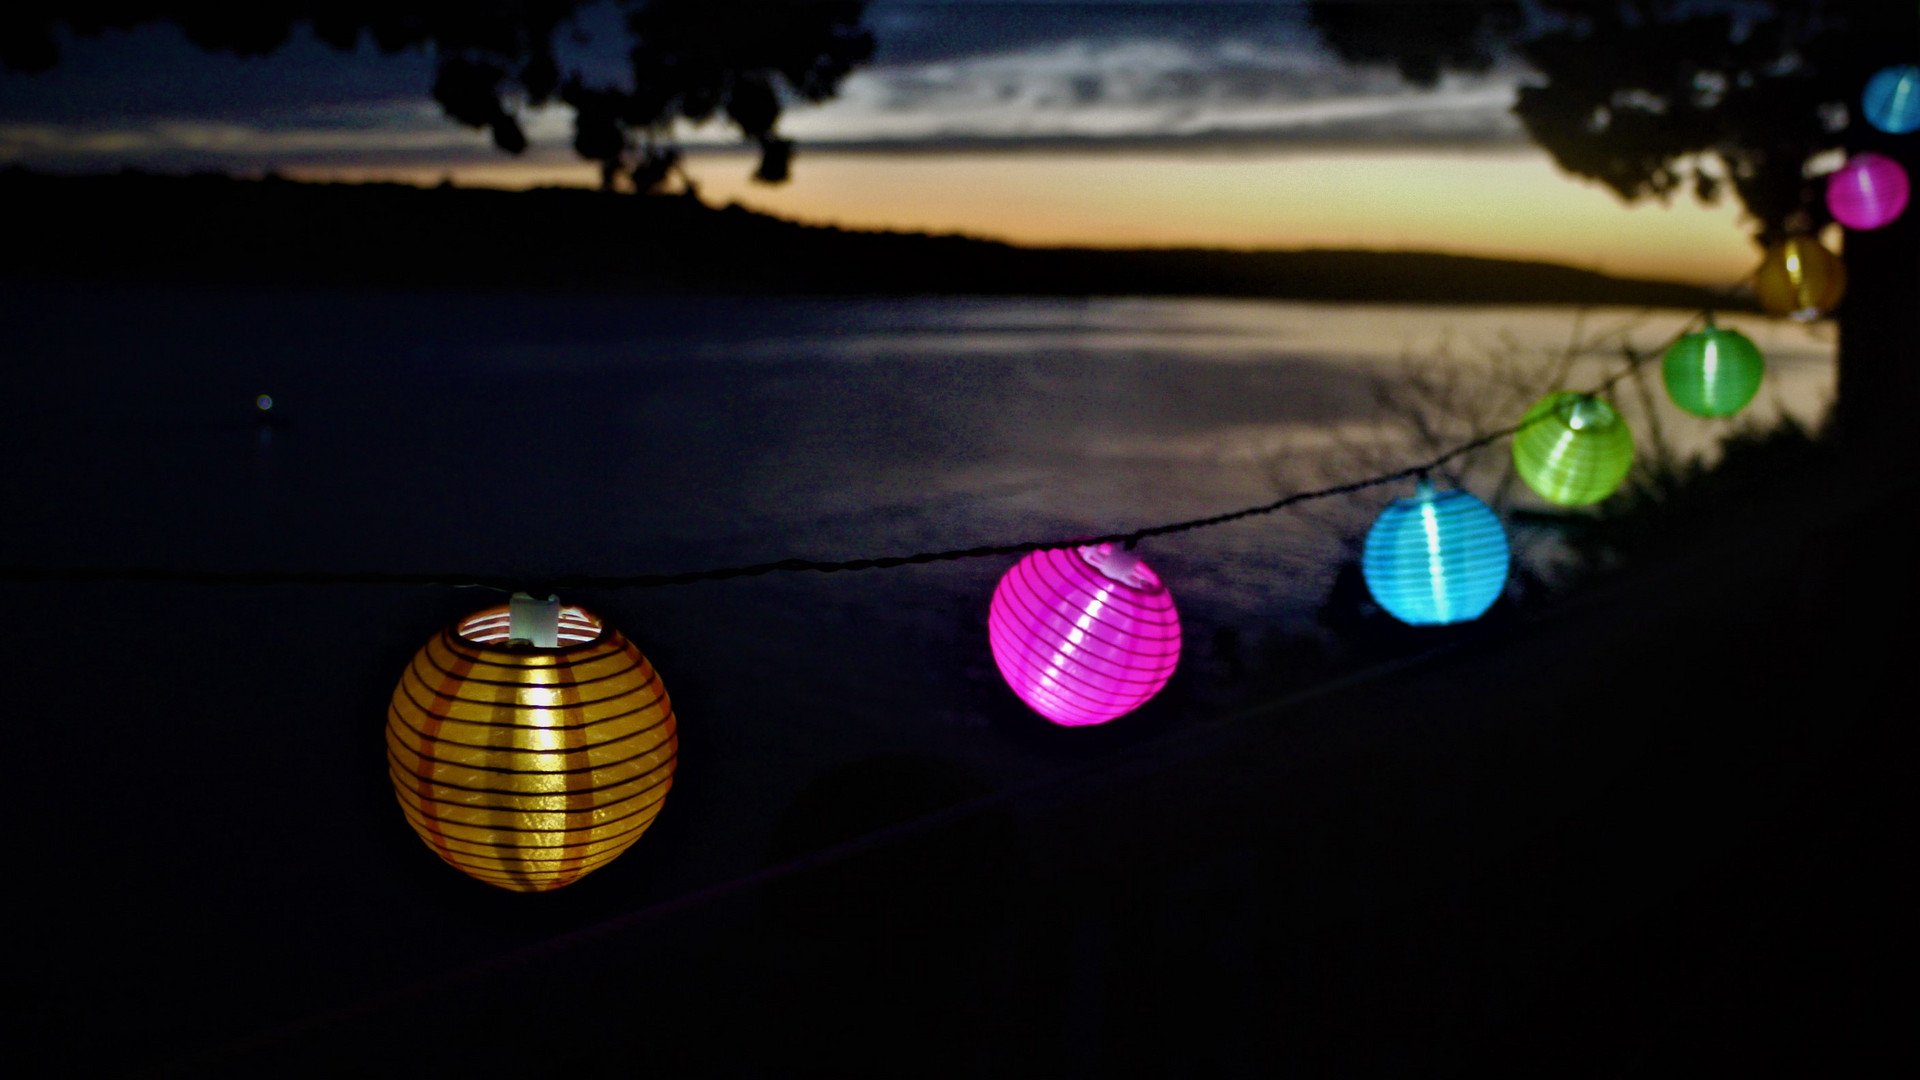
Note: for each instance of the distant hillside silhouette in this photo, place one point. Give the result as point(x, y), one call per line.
point(214, 229)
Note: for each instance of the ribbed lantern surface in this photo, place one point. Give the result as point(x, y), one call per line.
point(529, 767)
point(1892, 99)
point(1868, 192)
point(1436, 557)
point(1573, 449)
point(1083, 634)
point(1799, 279)
point(1713, 372)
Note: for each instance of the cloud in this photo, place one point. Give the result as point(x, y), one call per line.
point(396, 132)
point(1141, 93)
point(949, 78)
point(183, 140)
point(915, 31)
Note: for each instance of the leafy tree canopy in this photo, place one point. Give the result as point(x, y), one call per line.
point(1654, 96)
point(690, 59)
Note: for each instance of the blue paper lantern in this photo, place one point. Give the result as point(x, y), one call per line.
point(1892, 100)
point(1436, 558)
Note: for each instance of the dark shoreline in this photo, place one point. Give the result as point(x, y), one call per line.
point(216, 230)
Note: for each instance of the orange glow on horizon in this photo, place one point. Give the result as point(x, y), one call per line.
point(1504, 205)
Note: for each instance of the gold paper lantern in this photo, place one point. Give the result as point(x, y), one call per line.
point(1799, 279)
point(530, 744)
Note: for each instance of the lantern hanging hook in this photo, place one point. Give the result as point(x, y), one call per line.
point(533, 622)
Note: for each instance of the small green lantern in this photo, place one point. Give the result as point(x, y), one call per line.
point(1573, 449)
point(1713, 372)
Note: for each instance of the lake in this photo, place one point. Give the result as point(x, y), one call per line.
point(622, 435)
point(229, 738)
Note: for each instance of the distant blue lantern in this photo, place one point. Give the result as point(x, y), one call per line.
point(1436, 558)
point(1892, 100)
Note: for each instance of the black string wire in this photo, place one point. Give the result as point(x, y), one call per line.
point(507, 582)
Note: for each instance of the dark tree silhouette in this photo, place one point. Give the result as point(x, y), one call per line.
point(1654, 97)
point(691, 59)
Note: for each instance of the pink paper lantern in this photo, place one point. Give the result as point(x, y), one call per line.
point(1869, 191)
point(1083, 634)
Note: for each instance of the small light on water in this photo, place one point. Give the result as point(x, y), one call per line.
point(264, 403)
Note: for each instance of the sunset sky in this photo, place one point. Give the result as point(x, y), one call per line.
point(1046, 123)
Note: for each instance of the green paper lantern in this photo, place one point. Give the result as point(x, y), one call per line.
point(1573, 449)
point(1713, 372)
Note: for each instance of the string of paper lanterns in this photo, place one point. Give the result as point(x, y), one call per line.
point(1086, 634)
point(1799, 278)
point(530, 744)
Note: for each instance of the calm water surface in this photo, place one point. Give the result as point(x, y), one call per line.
point(625, 435)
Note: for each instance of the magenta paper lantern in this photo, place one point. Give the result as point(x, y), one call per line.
point(1083, 634)
point(1869, 191)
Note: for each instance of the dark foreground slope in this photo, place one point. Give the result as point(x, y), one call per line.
point(219, 230)
point(1659, 831)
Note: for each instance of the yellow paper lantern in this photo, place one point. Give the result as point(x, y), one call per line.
point(530, 744)
point(1798, 279)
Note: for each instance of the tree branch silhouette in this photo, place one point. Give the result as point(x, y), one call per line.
point(692, 60)
point(1655, 98)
